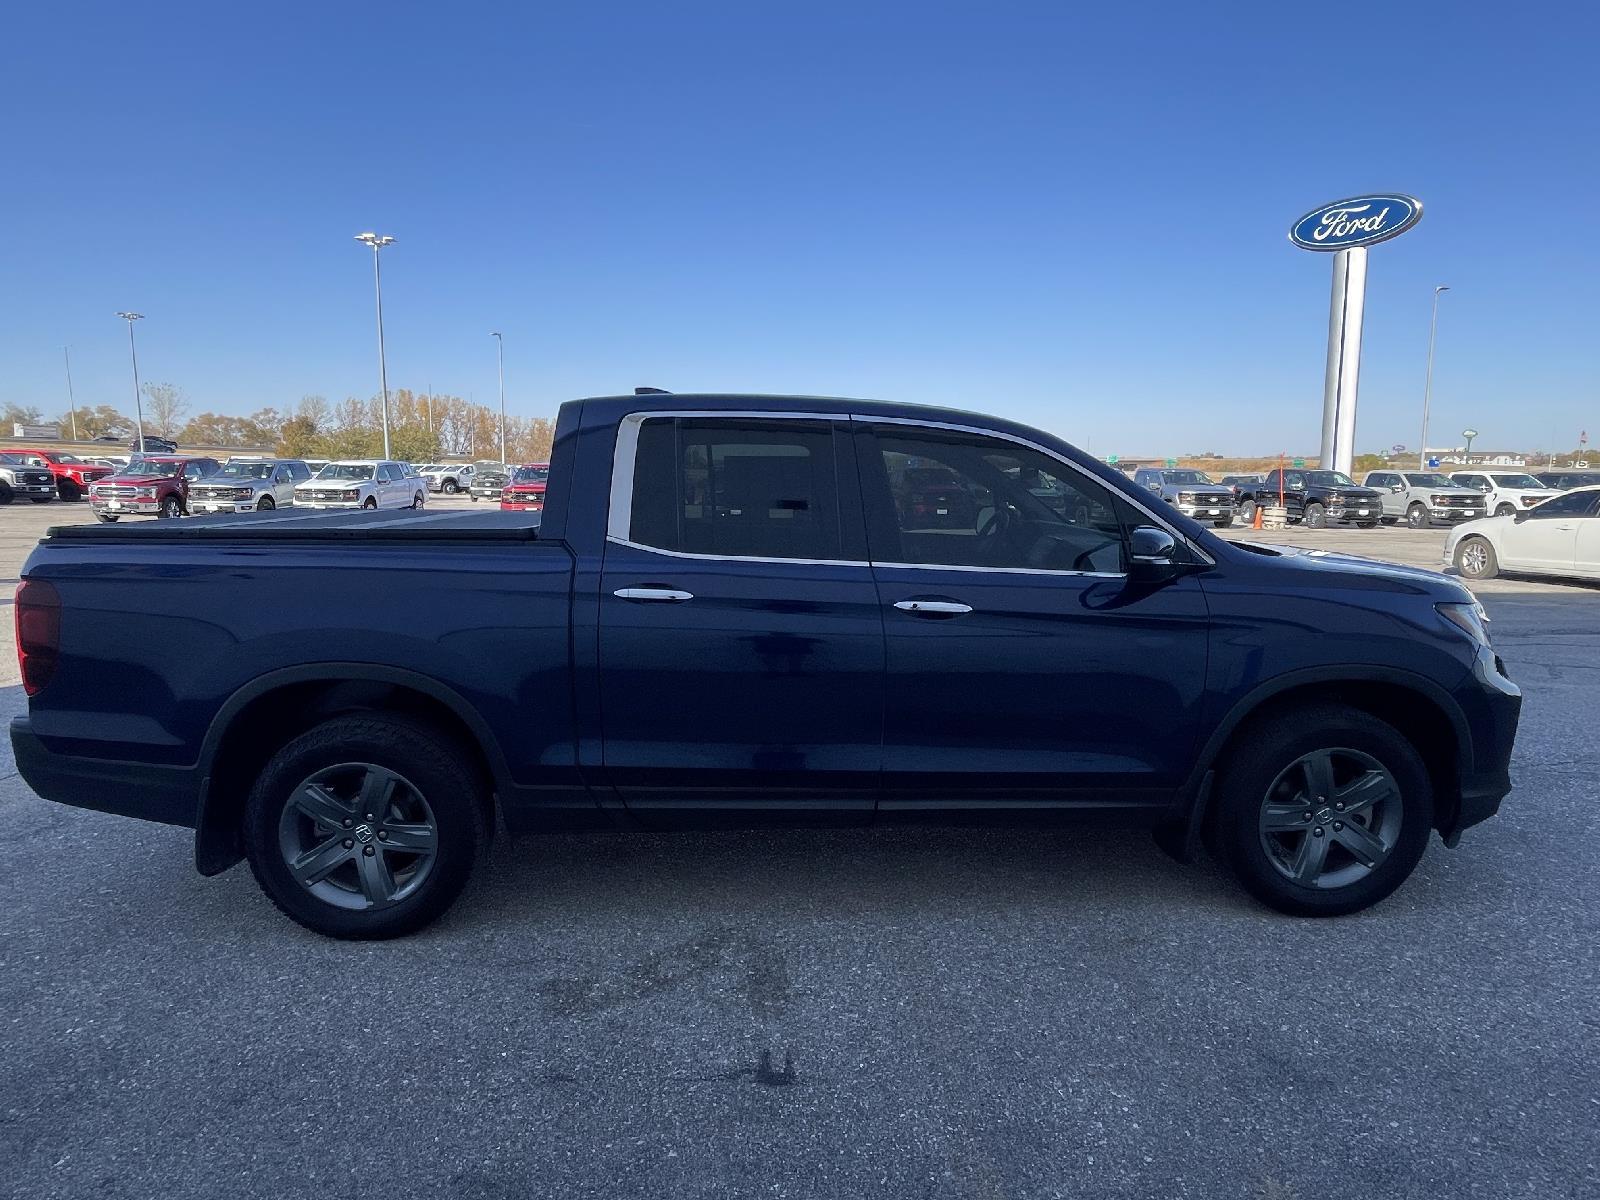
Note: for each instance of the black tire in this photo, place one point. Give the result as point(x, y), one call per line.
point(419, 501)
point(370, 502)
point(266, 504)
point(450, 487)
point(1316, 517)
point(1417, 516)
point(1249, 779)
point(1505, 510)
point(1476, 559)
point(171, 507)
point(473, 498)
point(1247, 512)
point(6, 494)
point(68, 490)
point(105, 518)
point(428, 761)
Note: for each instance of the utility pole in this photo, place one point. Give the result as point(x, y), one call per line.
point(378, 243)
point(500, 354)
point(72, 403)
point(1427, 391)
point(138, 404)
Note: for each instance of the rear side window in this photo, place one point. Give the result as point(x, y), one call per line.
point(739, 488)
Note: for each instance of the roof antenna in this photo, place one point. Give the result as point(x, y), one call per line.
point(641, 391)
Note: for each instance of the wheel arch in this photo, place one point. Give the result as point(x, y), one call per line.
point(1421, 710)
point(262, 715)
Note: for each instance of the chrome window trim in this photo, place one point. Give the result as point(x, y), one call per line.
point(619, 516)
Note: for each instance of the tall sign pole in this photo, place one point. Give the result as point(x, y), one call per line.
point(1346, 228)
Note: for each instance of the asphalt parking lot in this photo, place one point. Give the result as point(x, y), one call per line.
point(818, 1014)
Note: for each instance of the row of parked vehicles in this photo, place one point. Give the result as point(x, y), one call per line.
point(175, 485)
point(1319, 498)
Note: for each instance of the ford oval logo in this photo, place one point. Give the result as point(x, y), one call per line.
point(1357, 222)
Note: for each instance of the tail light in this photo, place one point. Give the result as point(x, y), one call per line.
point(38, 615)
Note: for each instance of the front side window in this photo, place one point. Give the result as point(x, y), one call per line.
point(1517, 480)
point(346, 471)
point(735, 487)
point(1421, 479)
point(964, 500)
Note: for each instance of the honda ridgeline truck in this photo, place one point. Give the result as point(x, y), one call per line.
point(729, 613)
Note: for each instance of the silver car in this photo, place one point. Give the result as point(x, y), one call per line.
point(248, 485)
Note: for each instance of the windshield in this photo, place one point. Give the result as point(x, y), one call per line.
point(68, 458)
point(151, 466)
point(1185, 477)
point(1516, 481)
point(1330, 478)
point(345, 471)
point(1422, 480)
point(244, 471)
point(530, 475)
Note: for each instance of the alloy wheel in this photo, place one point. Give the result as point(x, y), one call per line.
point(358, 836)
point(1331, 817)
point(1474, 558)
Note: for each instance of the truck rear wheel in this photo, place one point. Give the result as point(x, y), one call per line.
point(367, 826)
point(1323, 811)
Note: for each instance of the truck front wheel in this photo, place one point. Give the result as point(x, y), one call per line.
point(1417, 516)
point(1316, 516)
point(1322, 811)
point(366, 826)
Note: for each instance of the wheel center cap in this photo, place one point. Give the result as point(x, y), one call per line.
point(364, 834)
point(1324, 815)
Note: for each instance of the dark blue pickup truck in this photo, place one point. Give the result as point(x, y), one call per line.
point(740, 610)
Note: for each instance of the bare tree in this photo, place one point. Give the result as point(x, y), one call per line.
point(166, 407)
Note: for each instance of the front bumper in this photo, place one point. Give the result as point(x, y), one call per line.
point(222, 506)
point(33, 489)
point(1492, 705)
point(1201, 510)
point(1445, 513)
point(327, 503)
point(124, 506)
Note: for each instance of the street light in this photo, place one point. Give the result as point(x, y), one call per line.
point(72, 402)
point(378, 243)
point(500, 355)
point(138, 404)
point(1427, 392)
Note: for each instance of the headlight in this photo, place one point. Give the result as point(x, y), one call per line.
point(244, 493)
point(350, 495)
point(148, 493)
point(1471, 618)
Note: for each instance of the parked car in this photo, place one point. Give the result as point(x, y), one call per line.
point(20, 480)
point(249, 485)
point(72, 475)
point(1239, 484)
point(524, 491)
point(448, 478)
point(1558, 537)
point(1505, 493)
point(1421, 498)
point(156, 485)
point(933, 497)
point(488, 481)
point(740, 628)
point(1190, 492)
point(1318, 498)
point(362, 483)
point(114, 439)
point(1562, 481)
point(153, 444)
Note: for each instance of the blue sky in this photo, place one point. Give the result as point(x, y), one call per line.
point(1073, 215)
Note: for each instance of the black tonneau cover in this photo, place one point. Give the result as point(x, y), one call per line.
point(319, 525)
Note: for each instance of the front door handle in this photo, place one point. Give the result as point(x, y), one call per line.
point(933, 608)
point(660, 594)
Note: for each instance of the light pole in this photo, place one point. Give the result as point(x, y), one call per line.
point(500, 355)
point(1427, 391)
point(378, 243)
point(138, 404)
point(72, 403)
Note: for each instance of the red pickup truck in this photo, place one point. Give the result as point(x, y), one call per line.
point(525, 491)
point(154, 486)
point(72, 475)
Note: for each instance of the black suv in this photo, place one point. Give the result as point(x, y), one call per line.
point(1316, 497)
point(153, 444)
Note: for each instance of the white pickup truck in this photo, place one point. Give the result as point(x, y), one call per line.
point(1505, 493)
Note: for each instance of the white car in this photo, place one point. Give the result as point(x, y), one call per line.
point(1559, 537)
point(1506, 492)
point(363, 483)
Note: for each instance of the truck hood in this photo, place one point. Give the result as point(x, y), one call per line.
point(138, 479)
point(1442, 585)
point(1449, 491)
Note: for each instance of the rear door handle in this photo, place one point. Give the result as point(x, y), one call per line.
point(659, 594)
point(933, 608)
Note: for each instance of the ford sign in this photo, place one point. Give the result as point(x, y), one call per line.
point(1358, 222)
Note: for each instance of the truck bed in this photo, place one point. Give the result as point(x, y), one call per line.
point(305, 525)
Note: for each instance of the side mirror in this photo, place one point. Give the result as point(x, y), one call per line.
point(1152, 554)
